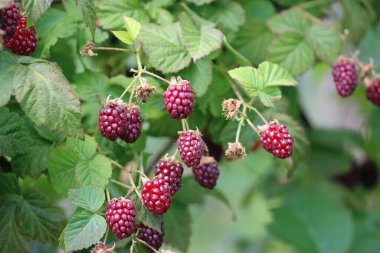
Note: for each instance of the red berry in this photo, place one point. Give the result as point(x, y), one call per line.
point(23, 41)
point(373, 91)
point(171, 172)
point(207, 172)
point(191, 147)
point(10, 15)
point(179, 99)
point(344, 75)
point(120, 216)
point(133, 124)
point(156, 196)
point(112, 121)
point(277, 140)
point(150, 236)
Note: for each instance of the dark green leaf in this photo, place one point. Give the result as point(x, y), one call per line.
point(87, 8)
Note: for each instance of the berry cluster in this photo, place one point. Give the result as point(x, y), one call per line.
point(17, 38)
point(345, 78)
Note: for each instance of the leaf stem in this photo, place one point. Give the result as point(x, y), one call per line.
point(239, 129)
point(134, 186)
point(128, 87)
point(257, 112)
point(108, 195)
point(236, 53)
point(121, 184)
point(106, 236)
point(113, 49)
point(155, 76)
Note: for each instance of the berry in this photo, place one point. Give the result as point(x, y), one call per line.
point(373, 91)
point(277, 140)
point(150, 236)
point(171, 172)
point(112, 120)
point(156, 196)
point(207, 172)
point(344, 75)
point(133, 124)
point(120, 216)
point(10, 15)
point(191, 147)
point(179, 99)
point(23, 41)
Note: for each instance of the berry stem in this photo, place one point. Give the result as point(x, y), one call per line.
point(150, 247)
point(121, 184)
point(144, 71)
point(236, 53)
point(128, 87)
point(117, 164)
point(105, 237)
point(108, 195)
point(113, 49)
point(183, 125)
point(257, 112)
point(134, 186)
point(237, 92)
point(253, 126)
point(133, 244)
point(239, 129)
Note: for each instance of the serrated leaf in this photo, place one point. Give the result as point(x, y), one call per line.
point(7, 67)
point(177, 225)
point(289, 21)
point(313, 224)
point(47, 98)
point(14, 135)
point(133, 27)
point(149, 219)
point(124, 37)
point(325, 42)
point(87, 8)
point(35, 9)
point(84, 149)
point(164, 47)
point(199, 75)
point(200, 37)
point(292, 52)
point(269, 95)
point(89, 198)
point(93, 172)
point(39, 217)
point(9, 184)
point(83, 230)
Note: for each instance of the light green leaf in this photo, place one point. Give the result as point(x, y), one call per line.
point(164, 47)
point(199, 75)
point(93, 172)
point(124, 37)
point(293, 20)
point(313, 224)
point(325, 42)
point(14, 135)
point(292, 52)
point(89, 198)
point(35, 9)
point(7, 68)
point(84, 230)
point(87, 8)
point(230, 15)
point(84, 149)
point(47, 98)
point(269, 95)
point(200, 37)
point(133, 27)
point(200, 2)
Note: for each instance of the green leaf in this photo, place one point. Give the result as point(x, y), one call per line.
point(313, 224)
point(98, 87)
point(177, 224)
point(35, 9)
point(84, 149)
point(7, 66)
point(325, 42)
point(52, 26)
point(200, 2)
point(47, 98)
point(292, 51)
point(124, 37)
point(200, 37)
point(93, 172)
point(9, 184)
point(164, 47)
point(14, 135)
point(293, 20)
point(89, 198)
point(149, 219)
point(39, 217)
point(262, 81)
point(199, 75)
point(84, 229)
point(133, 27)
point(87, 8)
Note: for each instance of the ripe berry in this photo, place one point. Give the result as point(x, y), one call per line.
point(23, 41)
point(133, 123)
point(179, 99)
point(112, 120)
point(207, 172)
point(344, 75)
point(171, 172)
point(191, 147)
point(373, 91)
point(120, 216)
point(277, 140)
point(10, 15)
point(156, 196)
point(150, 236)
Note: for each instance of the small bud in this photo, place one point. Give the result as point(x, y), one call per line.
point(230, 108)
point(143, 91)
point(102, 248)
point(235, 151)
point(87, 51)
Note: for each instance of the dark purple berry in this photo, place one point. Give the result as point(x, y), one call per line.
point(23, 41)
point(191, 147)
point(344, 75)
point(120, 216)
point(133, 124)
point(207, 172)
point(171, 172)
point(10, 16)
point(112, 121)
point(373, 91)
point(150, 236)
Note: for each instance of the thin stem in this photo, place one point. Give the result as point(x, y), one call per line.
point(187, 124)
point(237, 92)
point(252, 126)
point(133, 245)
point(117, 164)
point(105, 237)
point(134, 186)
point(131, 96)
point(239, 129)
point(121, 184)
point(144, 71)
point(257, 112)
point(183, 125)
point(128, 87)
point(113, 49)
point(108, 195)
point(236, 53)
point(150, 247)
